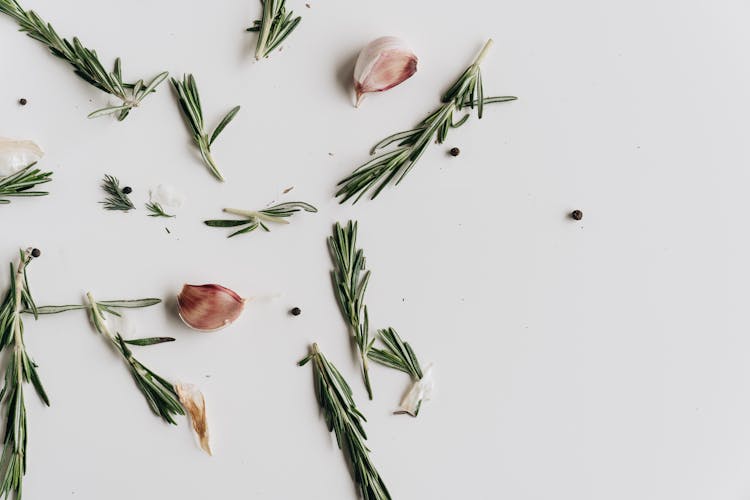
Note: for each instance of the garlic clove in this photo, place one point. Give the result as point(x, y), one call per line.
point(209, 307)
point(195, 404)
point(421, 390)
point(16, 155)
point(383, 63)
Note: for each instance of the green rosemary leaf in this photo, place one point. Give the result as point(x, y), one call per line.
point(344, 419)
point(130, 304)
point(149, 341)
point(85, 61)
point(392, 166)
point(117, 199)
point(157, 210)
point(223, 123)
point(350, 281)
point(274, 26)
point(190, 104)
point(254, 219)
point(158, 392)
point(57, 309)
point(23, 182)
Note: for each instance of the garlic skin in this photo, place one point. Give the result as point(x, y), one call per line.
point(420, 391)
point(383, 63)
point(16, 155)
point(192, 399)
point(167, 196)
point(209, 308)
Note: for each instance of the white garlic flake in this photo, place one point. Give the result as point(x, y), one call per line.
point(16, 155)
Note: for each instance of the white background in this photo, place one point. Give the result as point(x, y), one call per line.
point(601, 359)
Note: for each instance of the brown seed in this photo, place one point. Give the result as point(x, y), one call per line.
point(455, 152)
point(296, 311)
point(576, 215)
point(22, 101)
point(127, 190)
point(36, 253)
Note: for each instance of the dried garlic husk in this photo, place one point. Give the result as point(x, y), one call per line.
point(383, 63)
point(15, 155)
point(195, 404)
point(209, 307)
point(421, 390)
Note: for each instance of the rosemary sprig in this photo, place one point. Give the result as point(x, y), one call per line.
point(85, 62)
point(400, 356)
point(23, 182)
point(350, 283)
point(117, 199)
point(343, 418)
point(273, 27)
point(19, 370)
point(157, 210)
point(190, 103)
point(376, 174)
point(252, 220)
point(160, 394)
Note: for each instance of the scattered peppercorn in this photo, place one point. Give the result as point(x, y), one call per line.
point(127, 190)
point(36, 253)
point(455, 152)
point(296, 311)
point(22, 101)
point(576, 215)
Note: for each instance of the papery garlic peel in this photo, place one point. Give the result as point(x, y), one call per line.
point(383, 63)
point(209, 307)
point(16, 155)
point(195, 404)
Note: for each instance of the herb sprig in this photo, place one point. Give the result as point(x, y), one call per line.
point(376, 174)
point(157, 210)
point(20, 369)
point(22, 183)
point(117, 199)
point(190, 104)
point(343, 418)
point(160, 394)
point(398, 355)
point(273, 27)
point(252, 220)
point(350, 281)
point(85, 62)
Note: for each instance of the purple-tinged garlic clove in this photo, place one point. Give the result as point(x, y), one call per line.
point(383, 63)
point(209, 307)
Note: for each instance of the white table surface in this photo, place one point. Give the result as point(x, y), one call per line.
point(602, 359)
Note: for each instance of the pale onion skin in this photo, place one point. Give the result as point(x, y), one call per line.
point(208, 308)
point(383, 63)
point(16, 155)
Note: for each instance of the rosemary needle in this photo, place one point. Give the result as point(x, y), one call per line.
point(118, 198)
point(376, 174)
point(252, 220)
point(273, 27)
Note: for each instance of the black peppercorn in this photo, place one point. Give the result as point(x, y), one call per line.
point(22, 101)
point(36, 252)
point(127, 190)
point(296, 311)
point(455, 151)
point(576, 215)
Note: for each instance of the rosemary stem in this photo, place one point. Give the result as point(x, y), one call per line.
point(483, 53)
point(18, 302)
